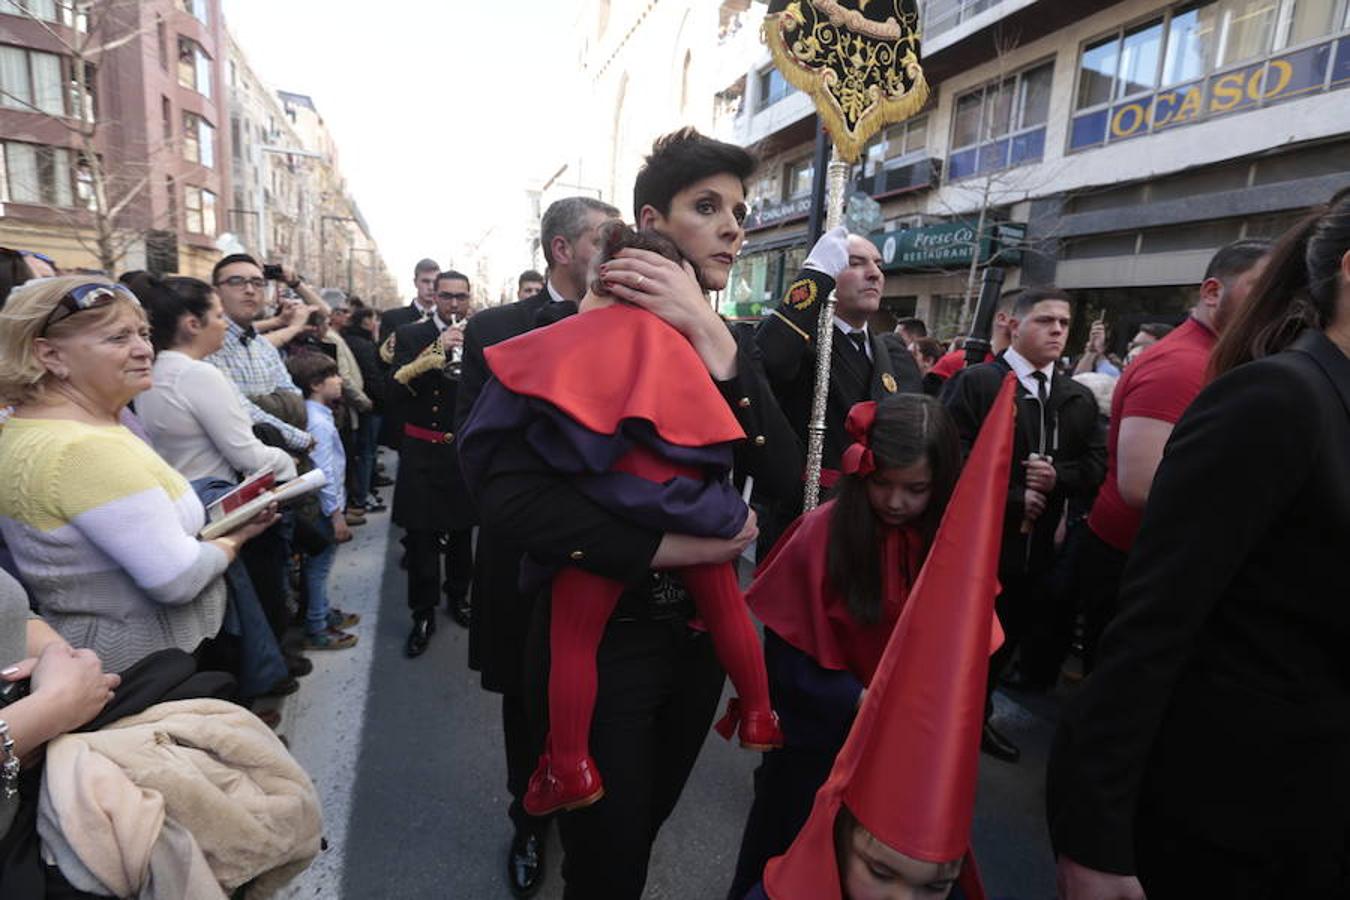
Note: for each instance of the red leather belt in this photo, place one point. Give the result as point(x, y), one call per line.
point(426, 434)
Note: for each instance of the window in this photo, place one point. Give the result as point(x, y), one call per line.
point(162, 42)
point(199, 140)
point(38, 175)
point(166, 115)
point(37, 9)
point(1001, 124)
point(194, 66)
point(84, 184)
point(196, 8)
point(31, 80)
point(199, 205)
point(896, 145)
point(797, 178)
point(772, 88)
point(1201, 60)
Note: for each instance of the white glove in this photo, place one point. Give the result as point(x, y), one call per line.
point(830, 254)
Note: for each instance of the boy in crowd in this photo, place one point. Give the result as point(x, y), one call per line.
point(317, 377)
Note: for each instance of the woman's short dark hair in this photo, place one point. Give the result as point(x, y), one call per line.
point(360, 315)
point(167, 301)
point(909, 428)
point(680, 159)
point(308, 369)
point(1297, 290)
point(929, 349)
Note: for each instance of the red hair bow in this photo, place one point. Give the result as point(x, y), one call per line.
point(858, 458)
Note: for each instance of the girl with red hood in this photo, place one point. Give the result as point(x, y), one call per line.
point(892, 819)
point(829, 595)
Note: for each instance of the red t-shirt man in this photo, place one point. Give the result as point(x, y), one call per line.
point(1160, 384)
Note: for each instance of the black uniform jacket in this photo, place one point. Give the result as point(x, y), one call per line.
point(1222, 689)
point(429, 494)
point(500, 612)
point(391, 320)
point(787, 340)
point(1075, 439)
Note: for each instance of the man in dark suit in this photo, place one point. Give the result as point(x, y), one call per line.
point(501, 613)
point(430, 499)
point(863, 366)
point(1059, 451)
point(420, 307)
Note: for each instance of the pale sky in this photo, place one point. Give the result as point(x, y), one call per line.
point(440, 108)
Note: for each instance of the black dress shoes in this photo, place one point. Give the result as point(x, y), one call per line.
point(458, 610)
point(525, 865)
point(420, 636)
point(997, 745)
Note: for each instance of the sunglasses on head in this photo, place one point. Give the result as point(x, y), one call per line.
point(88, 296)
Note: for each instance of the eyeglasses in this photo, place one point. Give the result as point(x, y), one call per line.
point(238, 281)
point(88, 296)
point(457, 296)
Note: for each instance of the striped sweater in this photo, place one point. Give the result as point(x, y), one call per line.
point(103, 531)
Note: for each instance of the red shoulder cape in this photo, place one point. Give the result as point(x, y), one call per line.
point(618, 363)
point(792, 595)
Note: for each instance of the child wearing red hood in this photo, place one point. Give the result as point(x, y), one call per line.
point(892, 819)
point(620, 401)
point(829, 595)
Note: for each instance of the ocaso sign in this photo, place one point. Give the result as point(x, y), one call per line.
point(1282, 78)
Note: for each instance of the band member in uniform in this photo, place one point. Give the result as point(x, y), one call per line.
point(429, 497)
point(417, 310)
point(862, 365)
point(501, 612)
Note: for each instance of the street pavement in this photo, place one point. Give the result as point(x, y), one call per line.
point(406, 756)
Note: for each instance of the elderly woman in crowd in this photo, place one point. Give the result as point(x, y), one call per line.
point(102, 529)
point(192, 412)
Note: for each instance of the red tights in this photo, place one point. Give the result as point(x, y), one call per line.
point(582, 604)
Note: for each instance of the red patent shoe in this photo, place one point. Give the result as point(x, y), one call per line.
point(551, 790)
point(757, 730)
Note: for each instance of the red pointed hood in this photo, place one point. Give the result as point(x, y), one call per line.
point(909, 767)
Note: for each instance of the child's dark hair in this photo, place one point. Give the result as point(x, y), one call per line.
point(680, 159)
point(1297, 289)
point(167, 301)
point(909, 428)
point(309, 370)
point(614, 235)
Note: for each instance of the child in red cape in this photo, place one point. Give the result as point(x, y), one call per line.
point(621, 401)
point(893, 818)
point(829, 595)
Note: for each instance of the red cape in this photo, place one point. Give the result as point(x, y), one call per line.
point(909, 767)
point(618, 363)
point(792, 595)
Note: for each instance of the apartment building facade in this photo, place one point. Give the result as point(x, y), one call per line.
point(150, 109)
point(1108, 147)
point(190, 146)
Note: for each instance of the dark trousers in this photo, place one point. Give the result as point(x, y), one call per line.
point(659, 688)
point(1098, 577)
point(424, 568)
point(267, 558)
point(785, 789)
point(523, 747)
point(1050, 626)
point(1017, 608)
